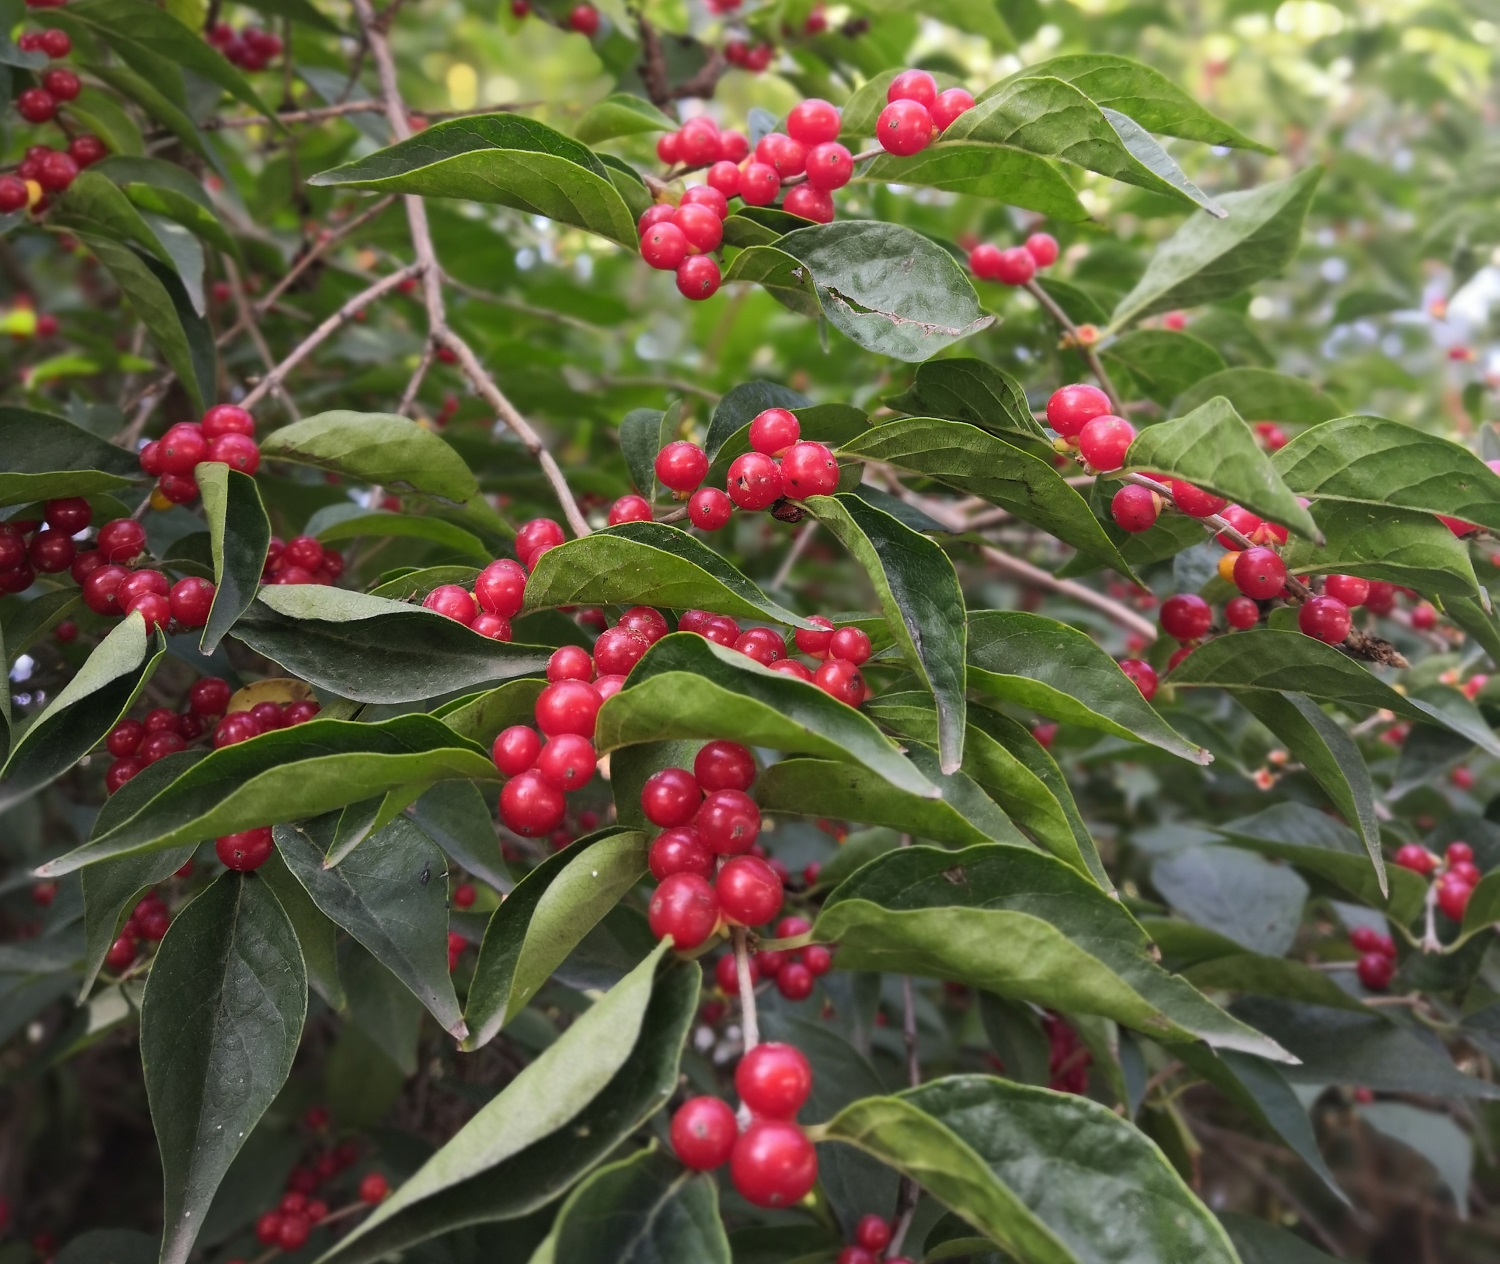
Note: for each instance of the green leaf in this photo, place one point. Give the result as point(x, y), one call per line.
point(154, 184)
point(1434, 1136)
point(921, 600)
point(288, 774)
point(1050, 667)
point(688, 687)
point(240, 534)
point(317, 935)
point(391, 894)
point(1146, 95)
point(971, 390)
point(106, 118)
point(964, 815)
point(983, 169)
point(1259, 1242)
point(151, 92)
point(1477, 622)
point(480, 717)
point(785, 278)
point(1319, 845)
point(220, 1023)
point(1320, 744)
point(649, 563)
point(614, 1067)
point(371, 649)
point(1051, 1177)
point(31, 620)
point(377, 448)
point(1238, 894)
point(645, 1209)
point(1051, 118)
point(1373, 461)
point(94, 205)
point(1265, 659)
point(1164, 363)
point(1400, 546)
point(1260, 395)
point(969, 460)
point(1023, 924)
point(543, 919)
point(47, 457)
point(83, 711)
point(297, 10)
point(829, 424)
point(352, 523)
point(157, 297)
point(643, 433)
point(1214, 449)
point(888, 289)
point(504, 158)
point(1210, 259)
point(144, 37)
point(621, 114)
point(739, 407)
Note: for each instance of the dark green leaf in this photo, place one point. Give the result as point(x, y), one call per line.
point(543, 919)
point(986, 170)
point(46, 456)
point(687, 687)
point(1260, 395)
point(377, 448)
point(621, 114)
point(1259, 1242)
point(391, 894)
point(1165, 364)
point(35, 618)
point(1050, 667)
point(288, 774)
point(480, 717)
point(372, 649)
point(504, 158)
point(651, 563)
point(297, 10)
point(158, 95)
point(1053, 1178)
point(1209, 259)
point(1477, 622)
point(1247, 899)
point(1400, 546)
point(1023, 924)
point(783, 277)
point(111, 888)
point(971, 390)
point(317, 934)
point(94, 205)
point(739, 407)
point(643, 433)
point(220, 1023)
point(241, 535)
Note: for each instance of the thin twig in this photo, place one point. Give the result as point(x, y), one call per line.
point(1121, 614)
point(409, 395)
point(247, 319)
point(749, 1022)
point(1096, 366)
point(799, 546)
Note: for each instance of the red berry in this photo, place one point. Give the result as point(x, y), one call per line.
point(733, 147)
point(570, 662)
point(841, 679)
point(240, 726)
point(1043, 248)
point(1186, 616)
point(121, 954)
point(567, 762)
point(773, 1080)
point(152, 607)
point(785, 156)
point(584, 19)
point(773, 1164)
point(629, 509)
point(1423, 617)
point(85, 564)
point(618, 650)
point(1324, 618)
point(1104, 441)
point(530, 806)
point(725, 177)
point(61, 84)
point(795, 981)
point(721, 630)
point(1014, 266)
point(851, 644)
point(698, 277)
point(51, 551)
point(1458, 853)
point(239, 452)
point(707, 195)
point(1135, 508)
point(121, 771)
point(452, 601)
point(709, 509)
point(70, 515)
point(1070, 408)
point(122, 540)
point(773, 431)
point(669, 148)
point(55, 43)
point(873, 1233)
point(946, 108)
point(670, 797)
point(830, 166)
point(1375, 971)
point(1243, 521)
point(500, 588)
point(1260, 573)
point(685, 907)
point(516, 749)
point(182, 447)
point(209, 696)
point(749, 891)
point(299, 713)
point(1415, 857)
point(1349, 589)
point(246, 850)
point(1241, 612)
point(679, 850)
point(1143, 675)
point(36, 105)
point(125, 738)
point(182, 489)
point(1195, 502)
point(759, 184)
point(223, 419)
point(268, 1228)
point(720, 765)
point(809, 203)
point(373, 1188)
point(698, 142)
point(809, 469)
point(904, 128)
point(681, 466)
point(703, 1133)
point(762, 644)
point(701, 229)
point(728, 822)
point(1365, 939)
point(913, 85)
point(984, 261)
point(190, 601)
point(755, 481)
point(13, 194)
point(569, 706)
point(813, 121)
point(815, 643)
point(535, 534)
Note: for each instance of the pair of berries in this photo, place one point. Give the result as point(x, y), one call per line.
point(250, 49)
point(1137, 508)
point(226, 434)
point(871, 1236)
point(1460, 875)
point(50, 548)
point(915, 111)
point(301, 560)
point(1081, 416)
point(772, 1163)
point(752, 57)
point(1015, 265)
point(1377, 957)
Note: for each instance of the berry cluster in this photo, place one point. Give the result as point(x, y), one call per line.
point(772, 1163)
point(147, 924)
point(1015, 265)
point(289, 1224)
point(226, 435)
point(1377, 957)
point(44, 171)
point(301, 560)
point(793, 970)
point(1457, 874)
point(1068, 1058)
point(250, 49)
point(871, 1236)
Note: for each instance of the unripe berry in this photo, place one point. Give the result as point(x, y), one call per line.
point(1135, 508)
point(948, 106)
point(754, 481)
point(698, 277)
point(1324, 618)
point(1070, 408)
point(1260, 573)
point(709, 509)
point(1104, 441)
point(681, 466)
point(904, 128)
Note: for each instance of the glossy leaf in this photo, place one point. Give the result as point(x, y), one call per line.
point(543, 919)
point(969, 460)
point(1212, 448)
point(288, 774)
point(1024, 925)
point(1165, 364)
point(504, 158)
point(83, 711)
point(220, 1023)
point(372, 649)
point(1400, 546)
point(621, 114)
point(1372, 461)
point(613, 1067)
point(240, 534)
point(353, 523)
point(391, 894)
point(1052, 1178)
point(377, 448)
point(1050, 667)
point(1261, 395)
point(919, 595)
point(647, 563)
point(687, 687)
point(1209, 259)
point(971, 390)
